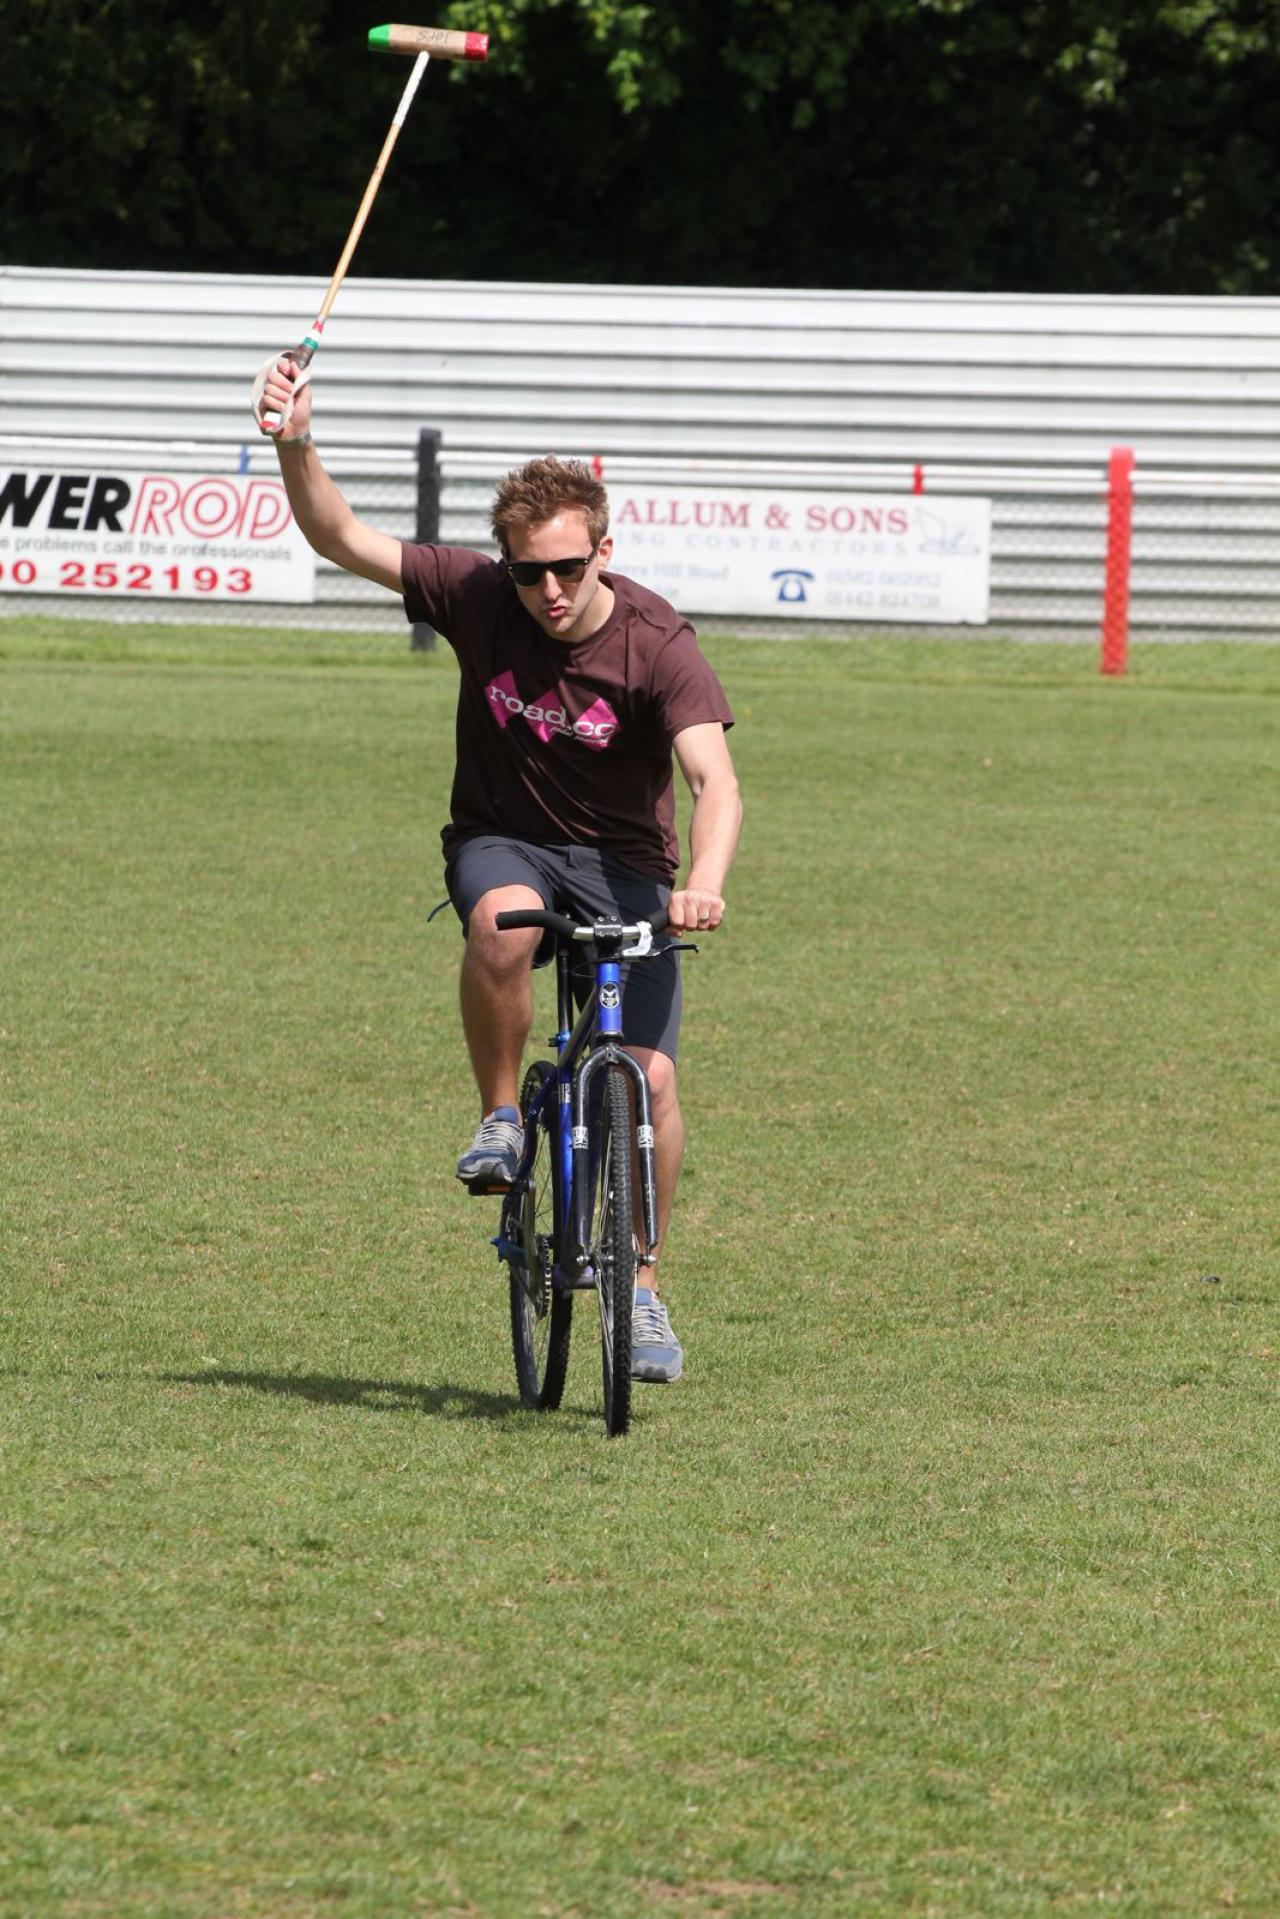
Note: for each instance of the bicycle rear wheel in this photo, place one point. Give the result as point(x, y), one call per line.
point(541, 1314)
point(613, 1249)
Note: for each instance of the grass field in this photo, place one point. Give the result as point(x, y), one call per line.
point(947, 1581)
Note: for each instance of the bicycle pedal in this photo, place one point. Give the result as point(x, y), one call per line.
point(482, 1189)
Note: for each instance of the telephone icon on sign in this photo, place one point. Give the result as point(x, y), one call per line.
point(791, 584)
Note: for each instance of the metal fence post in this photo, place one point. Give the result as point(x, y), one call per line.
point(426, 528)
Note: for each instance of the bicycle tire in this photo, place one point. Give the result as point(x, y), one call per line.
point(541, 1314)
point(613, 1249)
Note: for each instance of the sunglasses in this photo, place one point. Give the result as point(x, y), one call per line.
point(530, 572)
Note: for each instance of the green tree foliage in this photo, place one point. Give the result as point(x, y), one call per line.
point(1043, 145)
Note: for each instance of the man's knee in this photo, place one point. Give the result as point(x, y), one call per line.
point(660, 1070)
point(498, 954)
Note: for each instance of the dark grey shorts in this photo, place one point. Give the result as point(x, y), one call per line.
point(579, 880)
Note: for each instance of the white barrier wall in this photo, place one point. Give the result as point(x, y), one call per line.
point(1021, 397)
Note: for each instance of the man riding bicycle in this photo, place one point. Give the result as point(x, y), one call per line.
point(578, 687)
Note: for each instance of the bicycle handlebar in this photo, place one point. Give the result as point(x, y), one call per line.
point(557, 923)
point(566, 929)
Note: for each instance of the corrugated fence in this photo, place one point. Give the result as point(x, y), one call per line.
point(1018, 398)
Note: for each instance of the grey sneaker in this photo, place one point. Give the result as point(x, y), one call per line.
point(656, 1353)
point(491, 1160)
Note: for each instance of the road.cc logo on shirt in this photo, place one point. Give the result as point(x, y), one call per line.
point(594, 729)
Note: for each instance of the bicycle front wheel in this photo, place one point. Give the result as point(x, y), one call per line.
point(541, 1313)
point(613, 1248)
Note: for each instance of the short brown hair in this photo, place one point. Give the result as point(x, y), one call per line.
point(535, 492)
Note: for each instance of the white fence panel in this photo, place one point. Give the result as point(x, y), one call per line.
point(1020, 398)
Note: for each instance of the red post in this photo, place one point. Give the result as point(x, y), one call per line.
point(1115, 606)
point(597, 466)
point(917, 479)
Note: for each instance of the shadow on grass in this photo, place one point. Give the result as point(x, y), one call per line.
point(383, 1395)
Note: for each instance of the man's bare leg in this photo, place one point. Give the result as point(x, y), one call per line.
point(668, 1142)
point(655, 1350)
point(496, 995)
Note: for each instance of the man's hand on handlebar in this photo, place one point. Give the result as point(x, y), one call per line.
point(695, 909)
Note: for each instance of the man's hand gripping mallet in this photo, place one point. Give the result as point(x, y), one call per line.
point(422, 42)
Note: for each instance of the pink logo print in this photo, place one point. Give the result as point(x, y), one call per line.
point(594, 729)
point(546, 719)
point(597, 726)
point(503, 698)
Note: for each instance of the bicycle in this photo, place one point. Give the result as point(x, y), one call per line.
point(568, 1221)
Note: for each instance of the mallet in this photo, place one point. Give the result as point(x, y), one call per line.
point(425, 43)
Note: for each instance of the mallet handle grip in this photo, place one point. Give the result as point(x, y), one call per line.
point(442, 43)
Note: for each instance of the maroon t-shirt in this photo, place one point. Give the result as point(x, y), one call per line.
point(556, 743)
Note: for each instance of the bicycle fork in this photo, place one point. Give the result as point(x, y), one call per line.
point(596, 1063)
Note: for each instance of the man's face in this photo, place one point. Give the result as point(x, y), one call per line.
point(568, 609)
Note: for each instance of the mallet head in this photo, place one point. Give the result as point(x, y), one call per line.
point(442, 43)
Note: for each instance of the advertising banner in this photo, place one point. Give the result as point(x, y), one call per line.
point(808, 556)
point(150, 536)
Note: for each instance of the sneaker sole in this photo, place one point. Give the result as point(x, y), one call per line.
point(480, 1188)
point(652, 1377)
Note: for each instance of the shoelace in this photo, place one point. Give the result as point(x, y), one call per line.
point(494, 1132)
point(650, 1326)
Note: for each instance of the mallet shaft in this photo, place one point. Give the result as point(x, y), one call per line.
point(424, 43)
point(375, 181)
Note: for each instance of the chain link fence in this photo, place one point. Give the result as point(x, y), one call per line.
point(1201, 560)
point(1206, 560)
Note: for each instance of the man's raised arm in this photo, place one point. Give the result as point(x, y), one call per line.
point(327, 522)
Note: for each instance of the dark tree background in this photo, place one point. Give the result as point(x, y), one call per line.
point(967, 145)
